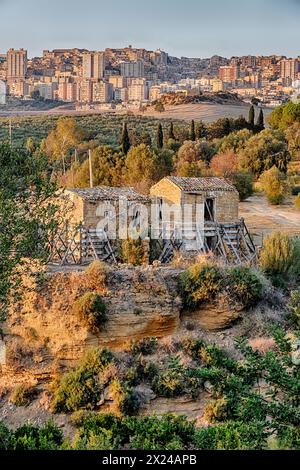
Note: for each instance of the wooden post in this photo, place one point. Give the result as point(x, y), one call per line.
point(91, 169)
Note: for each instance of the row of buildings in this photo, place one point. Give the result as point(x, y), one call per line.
point(131, 75)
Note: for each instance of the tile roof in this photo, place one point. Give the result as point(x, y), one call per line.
point(106, 193)
point(201, 184)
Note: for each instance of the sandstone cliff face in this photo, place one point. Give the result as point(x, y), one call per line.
point(141, 302)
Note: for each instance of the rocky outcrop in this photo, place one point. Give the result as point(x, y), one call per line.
point(141, 302)
point(218, 314)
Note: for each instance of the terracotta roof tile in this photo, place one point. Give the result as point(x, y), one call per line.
point(106, 193)
point(201, 184)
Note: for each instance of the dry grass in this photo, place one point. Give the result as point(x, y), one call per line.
point(96, 275)
point(262, 344)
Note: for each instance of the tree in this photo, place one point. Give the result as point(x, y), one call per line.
point(224, 164)
point(219, 128)
point(192, 131)
point(125, 141)
point(171, 135)
point(285, 116)
point(160, 137)
point(243, 183)
point(194, 158)
point(260, 125)
point(201, 130)
point(140, 168)
point(292, 135)
point(274, 184)
point(263, 151)
point(107, 169)
point(235, 141)
point(251, 119)
point(27, 214)
point(159, 107)
point(66, 136)
point(164, 164)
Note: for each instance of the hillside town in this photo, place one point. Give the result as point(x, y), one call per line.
point(130, 77)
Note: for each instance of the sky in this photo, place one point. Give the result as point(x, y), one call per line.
point(190, 28)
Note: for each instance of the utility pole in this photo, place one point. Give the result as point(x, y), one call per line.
point(91, 169)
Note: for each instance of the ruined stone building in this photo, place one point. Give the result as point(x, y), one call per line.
point(188, 214)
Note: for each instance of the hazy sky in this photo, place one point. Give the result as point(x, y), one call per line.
point(194, 28)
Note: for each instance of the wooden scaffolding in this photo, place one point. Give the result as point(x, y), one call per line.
point(78, 245)
point(230, 242)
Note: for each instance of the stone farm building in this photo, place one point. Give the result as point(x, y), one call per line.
point(212, 225)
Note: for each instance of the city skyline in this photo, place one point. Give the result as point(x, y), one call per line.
point(271, 28)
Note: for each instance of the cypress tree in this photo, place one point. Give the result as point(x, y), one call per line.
point(251, 118)
point(201, 130)
point(125, 141)
point(192, 131)
point(171, 132)
point(160, 137)
point(260, 121)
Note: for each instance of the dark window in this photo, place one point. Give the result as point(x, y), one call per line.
point(209, 211)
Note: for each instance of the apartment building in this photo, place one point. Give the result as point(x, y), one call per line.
point(132, 69)
point(93, 65)
point(138, 90)
point(229, 73)
point(16, 64)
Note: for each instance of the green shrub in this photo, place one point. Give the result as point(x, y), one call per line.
point(199, 284)
point(244, 184)
point(280, 257)
point(231, 436)
point(22, 395)
point(294, 306)
point(169, 384)
point(82, 387)
point(169, 432)
point(245, 286)
point(145, 346)
point(5, 437)
point(48, 437)
point(192, 347)
point(124, 397)
point(91, 311)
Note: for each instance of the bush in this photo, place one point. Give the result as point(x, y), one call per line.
point(91, 311)
point(245, 286)
point(146, 346)
point(294, 306)
point(124, 397)
point(167, 433)
point(81, 388)
point(199, 284)
point(133, 252)
point(169, 384)
point(22, 395)
point(244, 184)
point(96, 273)
point(274, 184)
point(48, 437)
point(5, 437)
point(280, 257)
point(215, 410)
point(231, 436)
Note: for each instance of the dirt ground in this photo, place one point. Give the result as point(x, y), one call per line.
point(262, 218)
point(206, 112)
